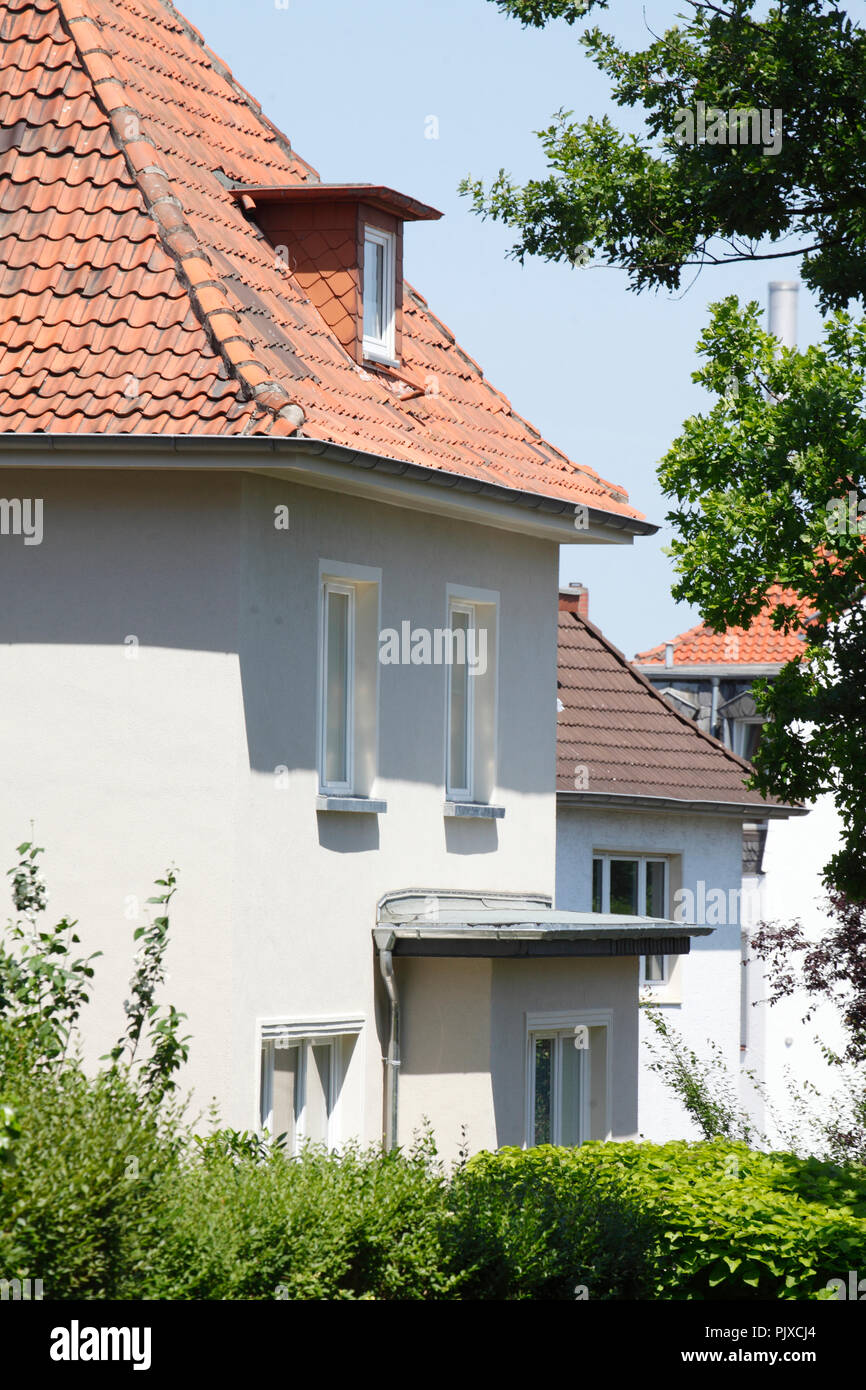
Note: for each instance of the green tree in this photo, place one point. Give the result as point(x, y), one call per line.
point(657, 203)
point(767, 483)
point(767, 486)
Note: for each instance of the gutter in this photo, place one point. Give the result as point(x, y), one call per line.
point(742, 810)
point(338, 467)
point(730, 671)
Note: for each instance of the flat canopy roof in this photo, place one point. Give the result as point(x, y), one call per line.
point(416, 923)
point(408, 209)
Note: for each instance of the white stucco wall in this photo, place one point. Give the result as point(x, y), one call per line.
point(127, 764)
point(465, 1063)
point(709, 849)
point(790, 889)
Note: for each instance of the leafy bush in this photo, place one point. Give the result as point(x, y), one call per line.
point(737, 1223)
point(362, 1224)
point(534, 1224)
point(80, 1206)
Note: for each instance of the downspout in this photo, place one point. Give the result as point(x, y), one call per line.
point(745, 992)
point(392, 1061)
point(714, 707)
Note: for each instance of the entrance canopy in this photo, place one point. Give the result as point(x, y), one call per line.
point(434, 923)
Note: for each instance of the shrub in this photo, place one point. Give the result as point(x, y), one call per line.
point(80, 1206)
point(534, 1224)
point(737, 1223)
point(362, 1224)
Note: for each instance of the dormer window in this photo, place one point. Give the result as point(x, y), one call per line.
point(343, 245)
point(380, 265)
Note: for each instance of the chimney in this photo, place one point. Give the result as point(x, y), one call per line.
point(574, 598)
point(669, 654)
point(782, 311)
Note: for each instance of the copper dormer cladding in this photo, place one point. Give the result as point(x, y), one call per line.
point(321, 232)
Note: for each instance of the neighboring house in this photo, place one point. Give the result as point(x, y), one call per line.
point(650, 814)
point(708, 676)
point(278, 608)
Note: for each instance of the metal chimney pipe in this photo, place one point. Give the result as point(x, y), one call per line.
point(782, 311)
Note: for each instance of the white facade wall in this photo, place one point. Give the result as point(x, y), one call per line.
point(790, 889)
point(158, 663)
point(707, 848)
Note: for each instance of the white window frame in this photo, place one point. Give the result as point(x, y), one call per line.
point(383, 349)
point(452, 792)
point(328, 1032)
point(334, 586)
point(562, 1026)
point(739, 733)
point(642, 858)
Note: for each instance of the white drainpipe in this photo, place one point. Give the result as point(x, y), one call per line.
point(392, 1061)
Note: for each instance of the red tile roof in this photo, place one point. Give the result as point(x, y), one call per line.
point(616, 734)
point(135, 297)
point(760, 644)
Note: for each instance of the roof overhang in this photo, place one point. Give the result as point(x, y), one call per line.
point(728, 670)
point(333, 467)
point(740, 810)
point(502, 925)
point(374, 195)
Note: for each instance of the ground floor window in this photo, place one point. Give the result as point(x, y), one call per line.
point(567, 1078)
point(300, 1082)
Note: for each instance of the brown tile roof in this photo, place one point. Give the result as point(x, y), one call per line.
point(616, 734)
point(760, 644)
point(135, 296)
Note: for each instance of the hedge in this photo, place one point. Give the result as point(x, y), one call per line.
point(736, 1223)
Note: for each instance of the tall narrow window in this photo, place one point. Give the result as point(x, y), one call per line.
point(559, 1076)
point(624, 875)
point(380, 276)
point(543, 1110)
point(280, 1091)
point(460, 700)
point(338, 686)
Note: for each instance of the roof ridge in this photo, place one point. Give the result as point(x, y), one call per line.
point(193, 264)
point(680, 637)
point(648, 685)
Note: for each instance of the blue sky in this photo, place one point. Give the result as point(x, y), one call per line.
point(602, 372)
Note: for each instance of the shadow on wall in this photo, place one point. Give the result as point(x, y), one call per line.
point(191, 562)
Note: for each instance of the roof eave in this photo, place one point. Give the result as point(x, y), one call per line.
point(741, 810)
point(727, 670)
point(339, 468)
point(401, 205)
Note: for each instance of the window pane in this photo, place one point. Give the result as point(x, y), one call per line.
point(374, 289)
point(571, 1077)
point(337, 691)
point(542, 1133)
point(623, 886)
point(285, 1081)
point(459, 752)
point(655, 888)
point(597, 882)
point(318, 1097)
point(654, 969)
